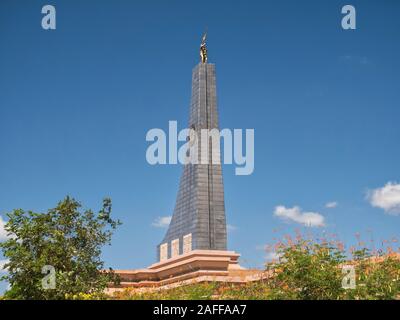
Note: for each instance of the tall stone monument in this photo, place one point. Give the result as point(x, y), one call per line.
point(198, 222)
point(194, 248)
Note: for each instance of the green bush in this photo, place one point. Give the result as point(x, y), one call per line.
point(305, 270)
point(66, 239)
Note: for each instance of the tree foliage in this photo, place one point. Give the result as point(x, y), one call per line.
point(306, 269)
point(312, 270)
point(67, 238)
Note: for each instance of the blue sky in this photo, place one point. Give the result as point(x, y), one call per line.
point(76, 103)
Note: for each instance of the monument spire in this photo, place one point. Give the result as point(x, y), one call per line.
point(194, 246)
point(198, 221)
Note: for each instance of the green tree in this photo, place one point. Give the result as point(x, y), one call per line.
point(307, 271)
point(377, 277)
point(312, 270)
point(66, 238)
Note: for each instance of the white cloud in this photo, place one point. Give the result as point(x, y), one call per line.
point(3, 232)
point(2, 263)
point(231, 228)
point(331, 205)
point(309, 219)
point(386, 198)
point(162, 222)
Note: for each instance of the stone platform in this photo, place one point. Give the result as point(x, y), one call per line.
point(193, 267)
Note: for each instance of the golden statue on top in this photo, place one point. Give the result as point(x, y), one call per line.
point(203, 49)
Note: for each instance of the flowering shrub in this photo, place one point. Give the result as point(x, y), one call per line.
point(377, 278)
point(307, 270)
point(304, 270)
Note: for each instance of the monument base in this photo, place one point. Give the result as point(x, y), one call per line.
point(193, 267)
